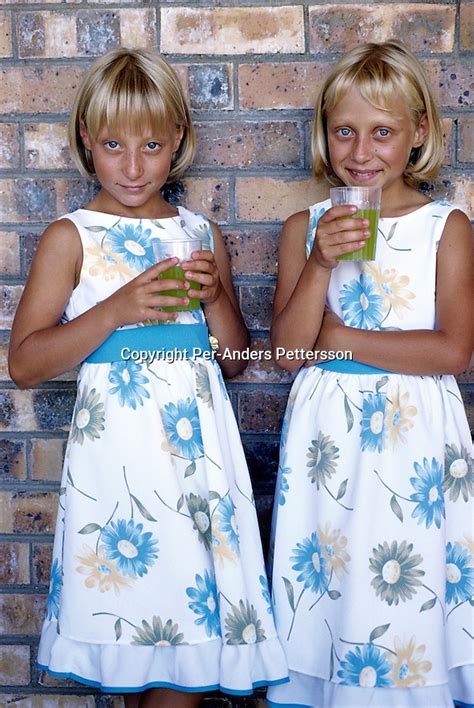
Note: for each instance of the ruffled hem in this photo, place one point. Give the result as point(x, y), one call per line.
point(304, 691)
point(212, 666)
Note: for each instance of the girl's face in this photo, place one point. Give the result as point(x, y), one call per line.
point(369, 146)
point(132, 167)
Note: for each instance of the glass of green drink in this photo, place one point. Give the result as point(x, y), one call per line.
point(182, 250)
point(367, 201)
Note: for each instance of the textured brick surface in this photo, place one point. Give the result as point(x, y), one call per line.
point(5, 34)
point(248, 144)
point(14, 665)
point(9, 253)
point(46, 146)
point(251, 72)
point(14, 563)
point(47, 458)
point(424, 27)
point(9, 144)
point(236, 30)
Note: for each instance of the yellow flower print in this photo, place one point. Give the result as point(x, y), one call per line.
point(398, 417)
point(101, 261)
point(102, 573)
point(220, 549)
point(333, 549)
point(408, 667)
point(392, 287)
point(468, 542)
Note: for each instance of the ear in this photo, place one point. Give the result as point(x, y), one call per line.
point(85, 136)
point(179, 137)
point(421, 132)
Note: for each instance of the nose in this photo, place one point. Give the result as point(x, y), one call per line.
point(132, 166)
point(362, 149)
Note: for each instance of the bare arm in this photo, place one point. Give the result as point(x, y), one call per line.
point(302, 285)
point(446, 350)
point(40, 347)
point(220, 304)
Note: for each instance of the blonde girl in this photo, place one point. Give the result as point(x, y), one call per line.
point(373, 571)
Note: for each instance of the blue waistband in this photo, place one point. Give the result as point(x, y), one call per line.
point(189, 340)
point(349, 366)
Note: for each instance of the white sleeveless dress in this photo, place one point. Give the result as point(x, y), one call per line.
point(373, 576)
point(158, 577)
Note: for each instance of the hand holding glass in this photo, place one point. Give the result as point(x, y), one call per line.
point(367, 201)
point(181, 250)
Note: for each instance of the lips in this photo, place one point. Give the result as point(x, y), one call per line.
point(363, 175)
point(132, 187)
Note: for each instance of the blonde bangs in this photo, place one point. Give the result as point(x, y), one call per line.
point(133, 90)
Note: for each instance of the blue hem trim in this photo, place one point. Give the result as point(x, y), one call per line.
point(161, 684)
point(460, 704)
point(349, 366)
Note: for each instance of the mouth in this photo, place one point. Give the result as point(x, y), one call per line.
point(132, 188)
point(363, 175)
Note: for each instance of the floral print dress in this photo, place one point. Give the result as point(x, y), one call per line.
point(158, 576)
point(373, 574)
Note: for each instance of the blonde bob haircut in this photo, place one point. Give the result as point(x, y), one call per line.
point(381, 71)
point(133, 88)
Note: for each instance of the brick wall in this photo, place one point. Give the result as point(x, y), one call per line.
point(252, 70)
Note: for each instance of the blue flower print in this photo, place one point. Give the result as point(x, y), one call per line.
point(313, 223)
point(133, 244)
point(181, 423)
point(133, 550)
point(266, 593)
point(128, 383)
point(429, 494)
point(309, 559)
point(360, 304)
point(227, 523)
point(205, 603)
point(55, 584)
point(283, 482)
point(372, 435)
point(459, 574)
point(366, 667)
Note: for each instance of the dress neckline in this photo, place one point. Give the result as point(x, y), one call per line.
point(134, 218)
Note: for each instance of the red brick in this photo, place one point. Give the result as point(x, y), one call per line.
point(42, 554)
point(9, 299)
point(14, 665)
point(208, 195)
point(9, 152)
point(232, 30)
point(465, 141)
point(39, 89)
point(138, 27)
point(249, 144)
point(21, 614)
point(466, 23)
point(47, 459)
point(46, 146)
point(261, 411)
point(12, 459)
point(6, 33)
point(256, 305)
point(22, 512)
point(267, 199)
point(423, 26)
point(9, 253)
point(252, 251)
point(285, 85)
point(14, 563)
point(451, 81)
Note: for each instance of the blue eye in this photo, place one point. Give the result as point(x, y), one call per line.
point(384, 132)
point(345, 132)
point(112, 144)
point(152, 145)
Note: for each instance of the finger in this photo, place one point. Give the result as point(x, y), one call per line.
point(337, 212)
point(205, 265)
point(162, 284)
point(169, 301)
point(204, 279)
point(160, 267)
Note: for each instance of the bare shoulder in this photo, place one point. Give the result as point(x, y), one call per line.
point(298, 221)
point(62, 230)
point(457, 232)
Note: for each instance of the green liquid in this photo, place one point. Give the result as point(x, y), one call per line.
point(177, 273)
point(367, 252)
